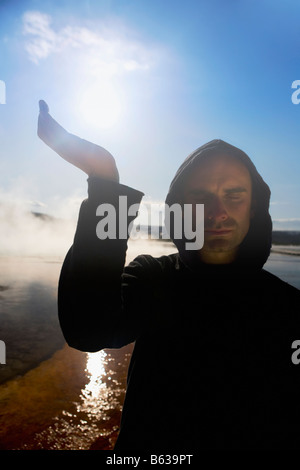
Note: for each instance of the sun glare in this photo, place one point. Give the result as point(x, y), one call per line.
point(100, 105)
point(96, 369)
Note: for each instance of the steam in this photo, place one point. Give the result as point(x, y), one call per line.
point(33, 228)
point(27, 228)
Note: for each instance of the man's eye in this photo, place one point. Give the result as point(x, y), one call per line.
point(234, 196)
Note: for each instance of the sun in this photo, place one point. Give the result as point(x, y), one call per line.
point(100, 105)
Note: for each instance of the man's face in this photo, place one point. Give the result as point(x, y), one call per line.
point(223, 184)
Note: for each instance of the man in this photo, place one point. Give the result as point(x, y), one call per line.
point(213, 331)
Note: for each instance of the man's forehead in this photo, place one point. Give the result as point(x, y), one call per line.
point(219, 168)
point(219, 158)
point(220, 164)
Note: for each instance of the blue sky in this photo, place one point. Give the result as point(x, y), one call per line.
point(150, 80)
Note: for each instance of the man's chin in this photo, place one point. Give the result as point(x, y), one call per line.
point(218, 252)
point(217, 245)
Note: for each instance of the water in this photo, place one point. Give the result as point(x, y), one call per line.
point(52, 396)
point(285, 266)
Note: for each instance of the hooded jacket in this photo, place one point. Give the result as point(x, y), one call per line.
point(211, 366)
point(255, 248)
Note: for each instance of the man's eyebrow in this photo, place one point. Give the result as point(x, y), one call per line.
point(238, 189)
point(197, 191)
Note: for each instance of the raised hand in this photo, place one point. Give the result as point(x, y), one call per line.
point(90, 158)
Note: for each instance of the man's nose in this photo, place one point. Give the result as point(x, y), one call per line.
point(216, 210)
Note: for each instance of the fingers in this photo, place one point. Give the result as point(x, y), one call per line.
point(49, 131)
point(44, 108)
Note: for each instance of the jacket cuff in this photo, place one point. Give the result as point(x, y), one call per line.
point(102, 190)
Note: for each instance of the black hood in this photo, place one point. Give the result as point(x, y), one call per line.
point(255, 248)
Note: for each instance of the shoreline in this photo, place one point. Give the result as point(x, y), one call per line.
point(292, 250)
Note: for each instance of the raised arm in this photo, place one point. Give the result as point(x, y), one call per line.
point(90, 158)
point(91, 306)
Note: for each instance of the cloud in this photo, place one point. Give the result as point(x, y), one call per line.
point(44, 40)
point(110, 48)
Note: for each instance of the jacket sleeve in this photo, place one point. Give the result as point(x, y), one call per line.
point(90, 307)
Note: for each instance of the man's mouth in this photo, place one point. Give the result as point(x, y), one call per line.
point(218, 231)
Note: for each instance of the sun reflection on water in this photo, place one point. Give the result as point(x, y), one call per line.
point(95, 367)
point(94, 397)
point(76, 402)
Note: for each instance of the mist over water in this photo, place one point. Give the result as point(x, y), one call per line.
point(24, 233)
